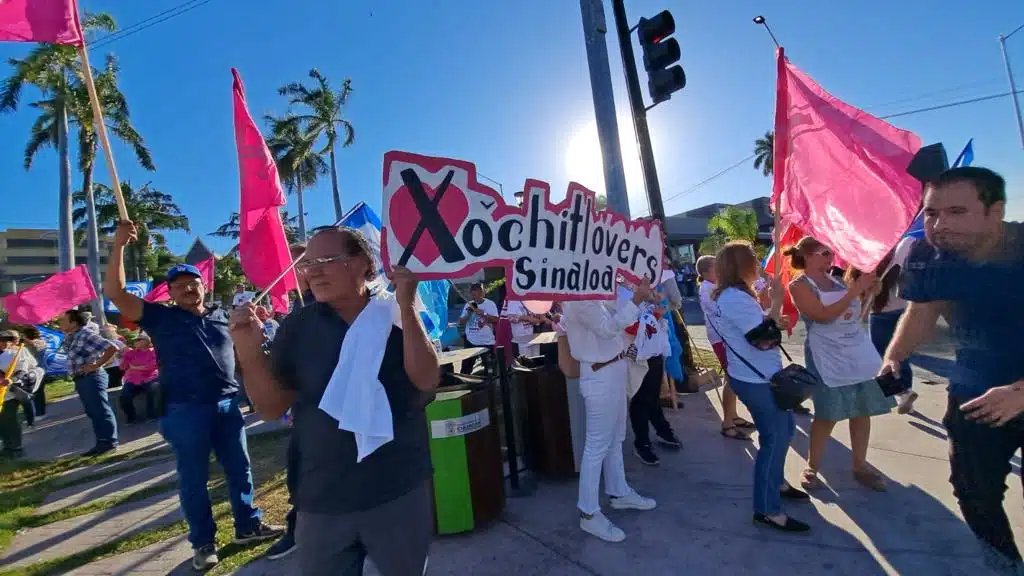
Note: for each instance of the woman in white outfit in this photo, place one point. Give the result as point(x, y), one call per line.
point(597, 338)
point(839, 349)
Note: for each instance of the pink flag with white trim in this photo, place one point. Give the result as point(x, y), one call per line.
point(262, 245)
point(161, 293)
point(50, 21)
point(840, 173)
point(51, 297)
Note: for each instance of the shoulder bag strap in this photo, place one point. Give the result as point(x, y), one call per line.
point(742, 359)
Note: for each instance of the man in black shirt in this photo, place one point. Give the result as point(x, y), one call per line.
point(348, 509)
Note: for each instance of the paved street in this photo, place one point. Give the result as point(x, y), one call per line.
point(701, 526)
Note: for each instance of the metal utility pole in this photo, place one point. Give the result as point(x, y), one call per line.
point(636, 103)
point(1013, 86)
point(594, 30)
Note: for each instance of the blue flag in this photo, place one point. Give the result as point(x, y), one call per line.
point(56, 361)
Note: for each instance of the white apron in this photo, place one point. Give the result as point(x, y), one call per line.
point(842, 351)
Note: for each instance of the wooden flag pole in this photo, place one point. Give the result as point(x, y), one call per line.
point(101, 128)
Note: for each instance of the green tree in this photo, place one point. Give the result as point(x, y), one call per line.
point(298, 163)
point(731, 223)
point(230, 229)
point(55, 70)
point(600, 202)
point(323, 119)
point(159, 260)
point(764, 153)
point(226, 274)
point(152, 211)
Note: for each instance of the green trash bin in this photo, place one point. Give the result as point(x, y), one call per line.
point(466, 453)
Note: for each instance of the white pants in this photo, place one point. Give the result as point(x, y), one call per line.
point(604, 396)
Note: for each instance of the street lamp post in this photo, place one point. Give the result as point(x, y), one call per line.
point(1013, 86)
point(501, 189)
point(762, 22)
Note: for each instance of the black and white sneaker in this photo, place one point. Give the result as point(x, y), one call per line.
point(670, 440)
point(259, 534)
point(646, 455)
point(204, 558)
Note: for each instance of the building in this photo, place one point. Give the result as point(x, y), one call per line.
point(685, 231)
point(28, 256)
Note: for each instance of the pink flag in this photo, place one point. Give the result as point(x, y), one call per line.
point(262, 244)
point(840, 173)
point(51, 297)
point(50, 21)
point(160, 292)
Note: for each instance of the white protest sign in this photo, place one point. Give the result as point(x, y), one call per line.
point(440, 222)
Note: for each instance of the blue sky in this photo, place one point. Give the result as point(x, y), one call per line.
point(505, 85)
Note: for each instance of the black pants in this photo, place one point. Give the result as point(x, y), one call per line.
point(128, 394)
point(292, 481)
point(39, 399)
point(645, 407)
point(979, 461)
point(487, 359)
point(113, 376)
point(10, 426)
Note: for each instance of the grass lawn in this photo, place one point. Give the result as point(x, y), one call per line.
point(60, 388)
point(23, 486)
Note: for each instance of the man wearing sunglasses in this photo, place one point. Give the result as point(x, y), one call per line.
point(200, 398)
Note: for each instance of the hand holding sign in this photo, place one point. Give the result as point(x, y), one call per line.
point(440, 222)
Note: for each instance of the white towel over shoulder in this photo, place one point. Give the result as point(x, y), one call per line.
point(354, 396)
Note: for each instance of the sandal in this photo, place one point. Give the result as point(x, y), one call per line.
point(735, 433)
point(869, 479)
point(742, 423)
point(809, 479)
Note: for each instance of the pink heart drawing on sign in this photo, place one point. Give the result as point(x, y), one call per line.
point(404, 218)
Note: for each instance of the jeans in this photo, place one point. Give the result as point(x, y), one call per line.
point(10, 426)
point(775, 429)
point(645, 407)
point(128, 394)
point(979, 462)
point(604, 396)
point(882, 327)
point(92, 390)
point(192, 431)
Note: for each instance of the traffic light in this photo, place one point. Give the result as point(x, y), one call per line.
point(660, 53)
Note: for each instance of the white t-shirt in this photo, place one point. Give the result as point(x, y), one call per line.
point(739, 313)
point(710, 308)
point(479, 332)
point(521, 332)
point(899, 258)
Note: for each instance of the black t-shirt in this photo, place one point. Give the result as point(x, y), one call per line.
point(304, 355)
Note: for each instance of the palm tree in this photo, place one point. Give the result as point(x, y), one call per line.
point(298, 164)
point(230, 229)
point(731, 223)
point(56, 71)
point(764, 150)
point(323, 119)
point(152, 211)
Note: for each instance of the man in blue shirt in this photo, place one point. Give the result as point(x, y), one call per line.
point(970, 272)
point(200, 395)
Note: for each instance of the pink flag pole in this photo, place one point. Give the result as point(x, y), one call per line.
point(101, 129)
point(285, 272)
point(779, 142)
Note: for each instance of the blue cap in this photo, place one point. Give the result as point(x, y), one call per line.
point(180, 269)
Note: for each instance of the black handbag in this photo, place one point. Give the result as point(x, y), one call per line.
point(791, 386)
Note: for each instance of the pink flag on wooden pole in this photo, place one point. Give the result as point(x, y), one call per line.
point(50, 21)
point(840, 173)
point(51, 297)
point(161, 293)
point(262, 244)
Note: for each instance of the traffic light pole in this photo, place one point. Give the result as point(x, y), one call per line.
point(594, 30)
point(636, 103)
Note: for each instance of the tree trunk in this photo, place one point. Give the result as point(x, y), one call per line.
point(302, 211)
point(334, 184)
point(92, 238)
point(66, 239)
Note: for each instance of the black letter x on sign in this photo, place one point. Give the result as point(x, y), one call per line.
point(430, 218)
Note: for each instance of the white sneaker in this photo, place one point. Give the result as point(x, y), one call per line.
point(906, 402)
point(600, 526)
point(633, 501)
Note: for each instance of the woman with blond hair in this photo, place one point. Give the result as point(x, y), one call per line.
point(752, 342)
point(839, 350)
